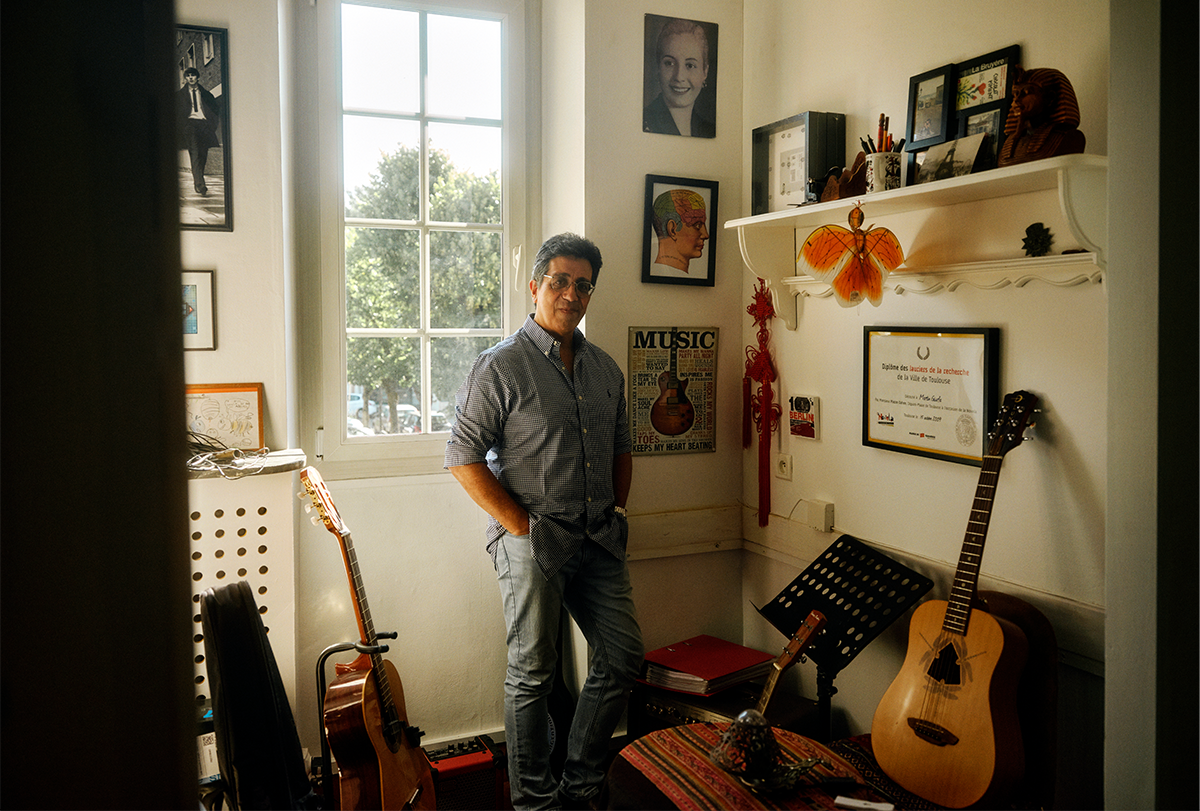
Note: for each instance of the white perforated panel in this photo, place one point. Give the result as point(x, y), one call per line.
point(242, 529)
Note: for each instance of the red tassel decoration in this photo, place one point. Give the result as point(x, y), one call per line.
point(760, 407)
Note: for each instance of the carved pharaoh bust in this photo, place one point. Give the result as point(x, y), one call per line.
point(1043, 120)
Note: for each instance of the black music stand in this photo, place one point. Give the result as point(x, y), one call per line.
point(861, 591)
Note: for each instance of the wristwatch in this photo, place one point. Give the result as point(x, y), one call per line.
point(621, 511)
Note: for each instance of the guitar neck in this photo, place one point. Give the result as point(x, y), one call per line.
point(966, 577)
point(366, 627)
point(362, 611)
point(673, 375)
point(769, 687)
point(812, 624)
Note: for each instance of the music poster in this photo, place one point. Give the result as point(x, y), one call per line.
point(673, 389)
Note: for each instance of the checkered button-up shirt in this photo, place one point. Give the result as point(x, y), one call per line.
point(548, 437)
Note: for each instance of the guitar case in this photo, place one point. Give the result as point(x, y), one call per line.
point(258, 748)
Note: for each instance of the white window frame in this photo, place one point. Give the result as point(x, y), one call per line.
point(407, 454)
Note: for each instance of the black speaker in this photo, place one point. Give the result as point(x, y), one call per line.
point(469, 775)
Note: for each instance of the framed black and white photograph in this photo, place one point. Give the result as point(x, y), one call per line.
point(679, 78)
point(951, 159)
point(930, 391)
point(199, 320)
point(202, 126)
point(983, 94)
point(930, 109)
point(680, 225)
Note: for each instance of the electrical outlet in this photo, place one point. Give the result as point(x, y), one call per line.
point(783, 466)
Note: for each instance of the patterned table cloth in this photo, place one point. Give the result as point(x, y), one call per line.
point(671, 768)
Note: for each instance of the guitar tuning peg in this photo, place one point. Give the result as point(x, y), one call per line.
point(308, 507)
point(316, 520)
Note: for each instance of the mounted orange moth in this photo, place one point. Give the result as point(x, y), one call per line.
point(855, 263)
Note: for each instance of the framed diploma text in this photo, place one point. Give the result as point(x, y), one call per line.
point(930, 391)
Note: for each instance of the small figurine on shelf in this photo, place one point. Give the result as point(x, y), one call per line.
point(854, 263)
point(1037, 240)
point(1043, 120)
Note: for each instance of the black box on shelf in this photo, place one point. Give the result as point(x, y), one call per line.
point(790, 159)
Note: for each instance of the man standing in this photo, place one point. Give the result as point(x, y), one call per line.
point(198, 115)
point(541, 442)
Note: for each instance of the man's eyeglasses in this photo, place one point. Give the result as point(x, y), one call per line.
point(562, 281)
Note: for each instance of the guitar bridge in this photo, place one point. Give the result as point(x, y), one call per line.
point(935, 734)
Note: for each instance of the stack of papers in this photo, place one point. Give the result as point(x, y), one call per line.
point(704, 665)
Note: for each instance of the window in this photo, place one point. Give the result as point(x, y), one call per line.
point(426, 177)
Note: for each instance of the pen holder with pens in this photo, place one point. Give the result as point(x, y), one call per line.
point(883, 171)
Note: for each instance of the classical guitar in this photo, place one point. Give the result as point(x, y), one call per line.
point(812, 624)
point(946, 729)
point(672, 413)
point(378, 753)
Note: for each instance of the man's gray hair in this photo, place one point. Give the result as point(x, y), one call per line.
point(566, 244)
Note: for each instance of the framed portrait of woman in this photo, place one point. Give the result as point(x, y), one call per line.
point(679, 82)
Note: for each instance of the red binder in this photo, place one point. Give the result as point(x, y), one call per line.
point(704, 665)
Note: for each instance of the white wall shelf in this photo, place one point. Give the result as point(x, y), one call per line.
point(1069, 270)
point(768, 241)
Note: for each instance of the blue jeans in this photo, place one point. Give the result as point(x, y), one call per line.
point(594, 587)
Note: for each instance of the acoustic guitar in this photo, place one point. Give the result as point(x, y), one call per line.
point(947, 727)
point(378, 753)
point(672, 413)
point(812, 624)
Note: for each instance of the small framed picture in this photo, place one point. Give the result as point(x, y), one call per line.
point(231, 413)
point(983, 94)
point(198, 318)
point(202, 123)
point(679, 231)
point(951, 159)
point(930, 109)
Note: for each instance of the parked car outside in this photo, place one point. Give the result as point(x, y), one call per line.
point(354, 427)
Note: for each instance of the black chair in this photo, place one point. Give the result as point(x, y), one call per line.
point(258, 748)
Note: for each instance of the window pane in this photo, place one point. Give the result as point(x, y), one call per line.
point(389, 371)
point(464, 284)
point(464, 67)
point(464, 173)
point(383, 279)
point(451, 360)
point(381, 167)
point(381, 59)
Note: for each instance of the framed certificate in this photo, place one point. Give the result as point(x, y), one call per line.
point(930, 391)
